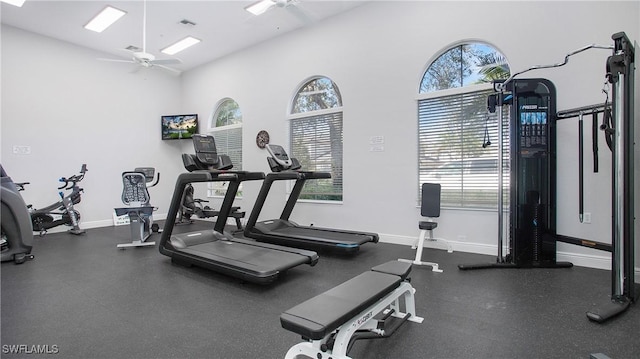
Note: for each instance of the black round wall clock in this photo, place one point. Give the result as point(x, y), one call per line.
point(262, 139)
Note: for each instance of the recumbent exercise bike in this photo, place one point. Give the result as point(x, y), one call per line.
point(136, 196)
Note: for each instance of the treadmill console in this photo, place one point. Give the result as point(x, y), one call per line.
point(205, 147)
point(280, 156)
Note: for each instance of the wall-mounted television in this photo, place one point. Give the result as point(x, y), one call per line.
point(176, 127)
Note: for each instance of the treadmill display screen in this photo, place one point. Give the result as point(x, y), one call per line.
point(204, 144)
point(280, 155)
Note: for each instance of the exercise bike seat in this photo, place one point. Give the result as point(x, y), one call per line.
point(134, 189)
point(136, 196)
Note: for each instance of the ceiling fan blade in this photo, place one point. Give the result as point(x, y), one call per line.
point(296, 9)
point(165, 62)
point(175, 71)
point(144, 26)
point(117, 60)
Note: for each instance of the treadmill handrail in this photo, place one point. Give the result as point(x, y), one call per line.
point(200, 176)
point(314, 175)
point(299, 176)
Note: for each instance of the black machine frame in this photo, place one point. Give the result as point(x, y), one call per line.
point(216, 249)
point(620, 67)
point(532, 192)
point(283, 231)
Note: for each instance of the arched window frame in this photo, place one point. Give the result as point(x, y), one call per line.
point(323, 132)
point(228, 141)
point(450, 136)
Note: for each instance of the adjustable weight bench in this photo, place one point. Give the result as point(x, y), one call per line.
point(367, 306)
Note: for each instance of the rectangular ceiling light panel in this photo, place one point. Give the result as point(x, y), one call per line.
point(17, 3)
point(260, 7)
point(104, 19)
point(180, 45)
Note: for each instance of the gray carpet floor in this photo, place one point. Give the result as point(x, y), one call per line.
point(83, 298)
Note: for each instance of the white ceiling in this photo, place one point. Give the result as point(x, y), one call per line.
point(223, 26)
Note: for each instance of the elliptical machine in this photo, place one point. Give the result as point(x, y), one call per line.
point(43, 219)
point(17, 233)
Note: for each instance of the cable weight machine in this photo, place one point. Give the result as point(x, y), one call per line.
point(531, 105)
point(531, 241)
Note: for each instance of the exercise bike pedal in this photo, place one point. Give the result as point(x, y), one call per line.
point(21, 258)
point(155, 228)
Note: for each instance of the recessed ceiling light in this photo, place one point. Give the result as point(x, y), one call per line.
point(260, 7)
point(17, 3)
point(104, 19)
point(180, 45)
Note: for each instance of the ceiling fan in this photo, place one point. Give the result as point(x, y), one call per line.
point(293, 6)
point(143, 58)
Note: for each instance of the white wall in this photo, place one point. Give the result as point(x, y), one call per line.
point(72, 109)
point(376, 54)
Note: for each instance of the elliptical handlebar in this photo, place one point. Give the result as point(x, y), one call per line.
point(73, 180)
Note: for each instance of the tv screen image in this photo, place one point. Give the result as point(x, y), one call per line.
point(177, 127)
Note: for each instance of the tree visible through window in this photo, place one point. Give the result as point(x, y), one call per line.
point(316, 136)
point(453, 127)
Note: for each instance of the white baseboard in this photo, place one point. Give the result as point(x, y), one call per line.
point(99, 224)
point(582, 260)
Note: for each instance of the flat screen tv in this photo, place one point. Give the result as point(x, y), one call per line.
point(176, 127)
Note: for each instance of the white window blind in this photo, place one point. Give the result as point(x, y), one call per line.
point(451, 131)
point(316, 141)
point(229, 142)
point(226, 129)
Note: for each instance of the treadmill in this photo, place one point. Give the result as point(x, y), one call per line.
point(282, 231)
point(216, 249)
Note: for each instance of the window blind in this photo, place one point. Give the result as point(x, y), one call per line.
point(316, 141)
point(229, 142)
point(451, 131)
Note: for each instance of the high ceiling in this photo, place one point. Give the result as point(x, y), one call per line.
point(223, 26)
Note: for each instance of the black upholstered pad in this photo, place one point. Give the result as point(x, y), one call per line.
point(427, 225)
point(145, 210)
point(401, 269)
point(320, 315)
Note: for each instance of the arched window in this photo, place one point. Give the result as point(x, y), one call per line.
point(453, 124)
point(315, 128)
point(225, 124)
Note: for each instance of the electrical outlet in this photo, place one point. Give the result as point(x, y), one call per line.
point(586, 218)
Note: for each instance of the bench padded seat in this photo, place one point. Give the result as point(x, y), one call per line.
point(401, 269)
point(319, 316)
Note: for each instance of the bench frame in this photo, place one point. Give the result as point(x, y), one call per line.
point(391, 304)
